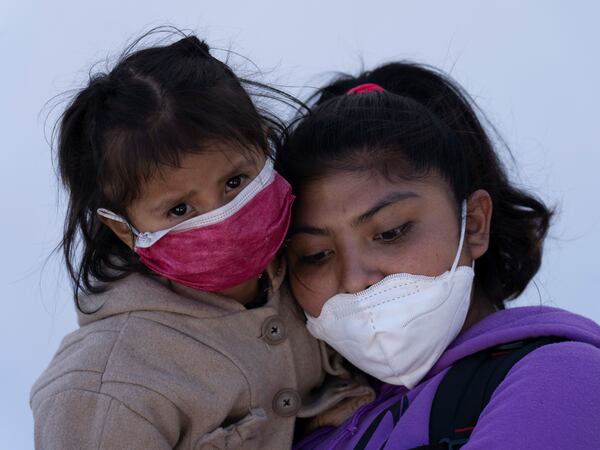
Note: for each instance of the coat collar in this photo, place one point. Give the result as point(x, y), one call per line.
point(138, 292)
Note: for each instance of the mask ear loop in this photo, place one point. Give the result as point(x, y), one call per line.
point(463, 229)
point(117, 218)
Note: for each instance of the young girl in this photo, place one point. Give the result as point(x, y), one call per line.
point(188, 338)
point(407, 241)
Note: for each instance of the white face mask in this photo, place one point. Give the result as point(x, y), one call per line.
point(398, 328)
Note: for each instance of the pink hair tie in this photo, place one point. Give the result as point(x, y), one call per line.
point(367, 87)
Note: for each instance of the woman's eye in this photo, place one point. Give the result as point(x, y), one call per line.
point(179, 210)
point(235, 182)
point(394, 233)
point(317, 258)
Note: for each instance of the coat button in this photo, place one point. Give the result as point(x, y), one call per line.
point(273, 330)
point(286, 402)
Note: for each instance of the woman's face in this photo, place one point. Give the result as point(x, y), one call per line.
point(352, 229)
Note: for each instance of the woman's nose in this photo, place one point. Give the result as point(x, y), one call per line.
point(357, 275)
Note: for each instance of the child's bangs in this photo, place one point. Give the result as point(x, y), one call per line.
point(133, 156)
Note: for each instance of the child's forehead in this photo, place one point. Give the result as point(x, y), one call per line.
point(202, 169)
point(219, 155)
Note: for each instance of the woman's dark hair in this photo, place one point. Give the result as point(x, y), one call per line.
point(422, 123)
point(155, 105)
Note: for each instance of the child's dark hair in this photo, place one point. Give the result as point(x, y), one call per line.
point(155, 105)
point(423, 123)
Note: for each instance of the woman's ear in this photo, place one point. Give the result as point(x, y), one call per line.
point(121, 230)
point(479, 217)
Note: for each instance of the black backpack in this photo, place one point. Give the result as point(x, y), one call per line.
point(467, 388)
point(463, 394)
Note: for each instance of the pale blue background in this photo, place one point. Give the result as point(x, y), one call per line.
point(532, 65)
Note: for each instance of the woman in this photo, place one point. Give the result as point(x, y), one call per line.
point(407, 242)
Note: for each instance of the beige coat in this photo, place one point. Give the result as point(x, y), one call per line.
point(155, 369)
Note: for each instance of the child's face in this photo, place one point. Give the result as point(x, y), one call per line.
point(204, 182)
point(350, 230)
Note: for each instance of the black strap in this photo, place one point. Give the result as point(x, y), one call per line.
point(396, 409)
point(467, 388)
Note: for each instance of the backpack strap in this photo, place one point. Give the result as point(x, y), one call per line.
point(467, 388)
point(397, 409)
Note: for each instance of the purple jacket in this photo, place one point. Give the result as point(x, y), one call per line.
point(550, 399)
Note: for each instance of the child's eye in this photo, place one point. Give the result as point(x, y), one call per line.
point(235, 182)
point(394, 233)
point(317, 258)
point(179, 210)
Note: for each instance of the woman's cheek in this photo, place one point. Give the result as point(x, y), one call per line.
point(303, 299)
point(308, 294)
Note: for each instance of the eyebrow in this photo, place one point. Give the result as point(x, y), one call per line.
point(169, 202)
point(237, 166)
point(389, 199)
point(309, 230)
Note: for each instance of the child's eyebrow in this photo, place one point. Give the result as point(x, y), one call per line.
point(238, 166)
point(170, 202)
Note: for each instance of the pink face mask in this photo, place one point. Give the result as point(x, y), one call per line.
point(224, 247)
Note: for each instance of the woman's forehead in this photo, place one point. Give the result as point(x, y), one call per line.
point(354, 194)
